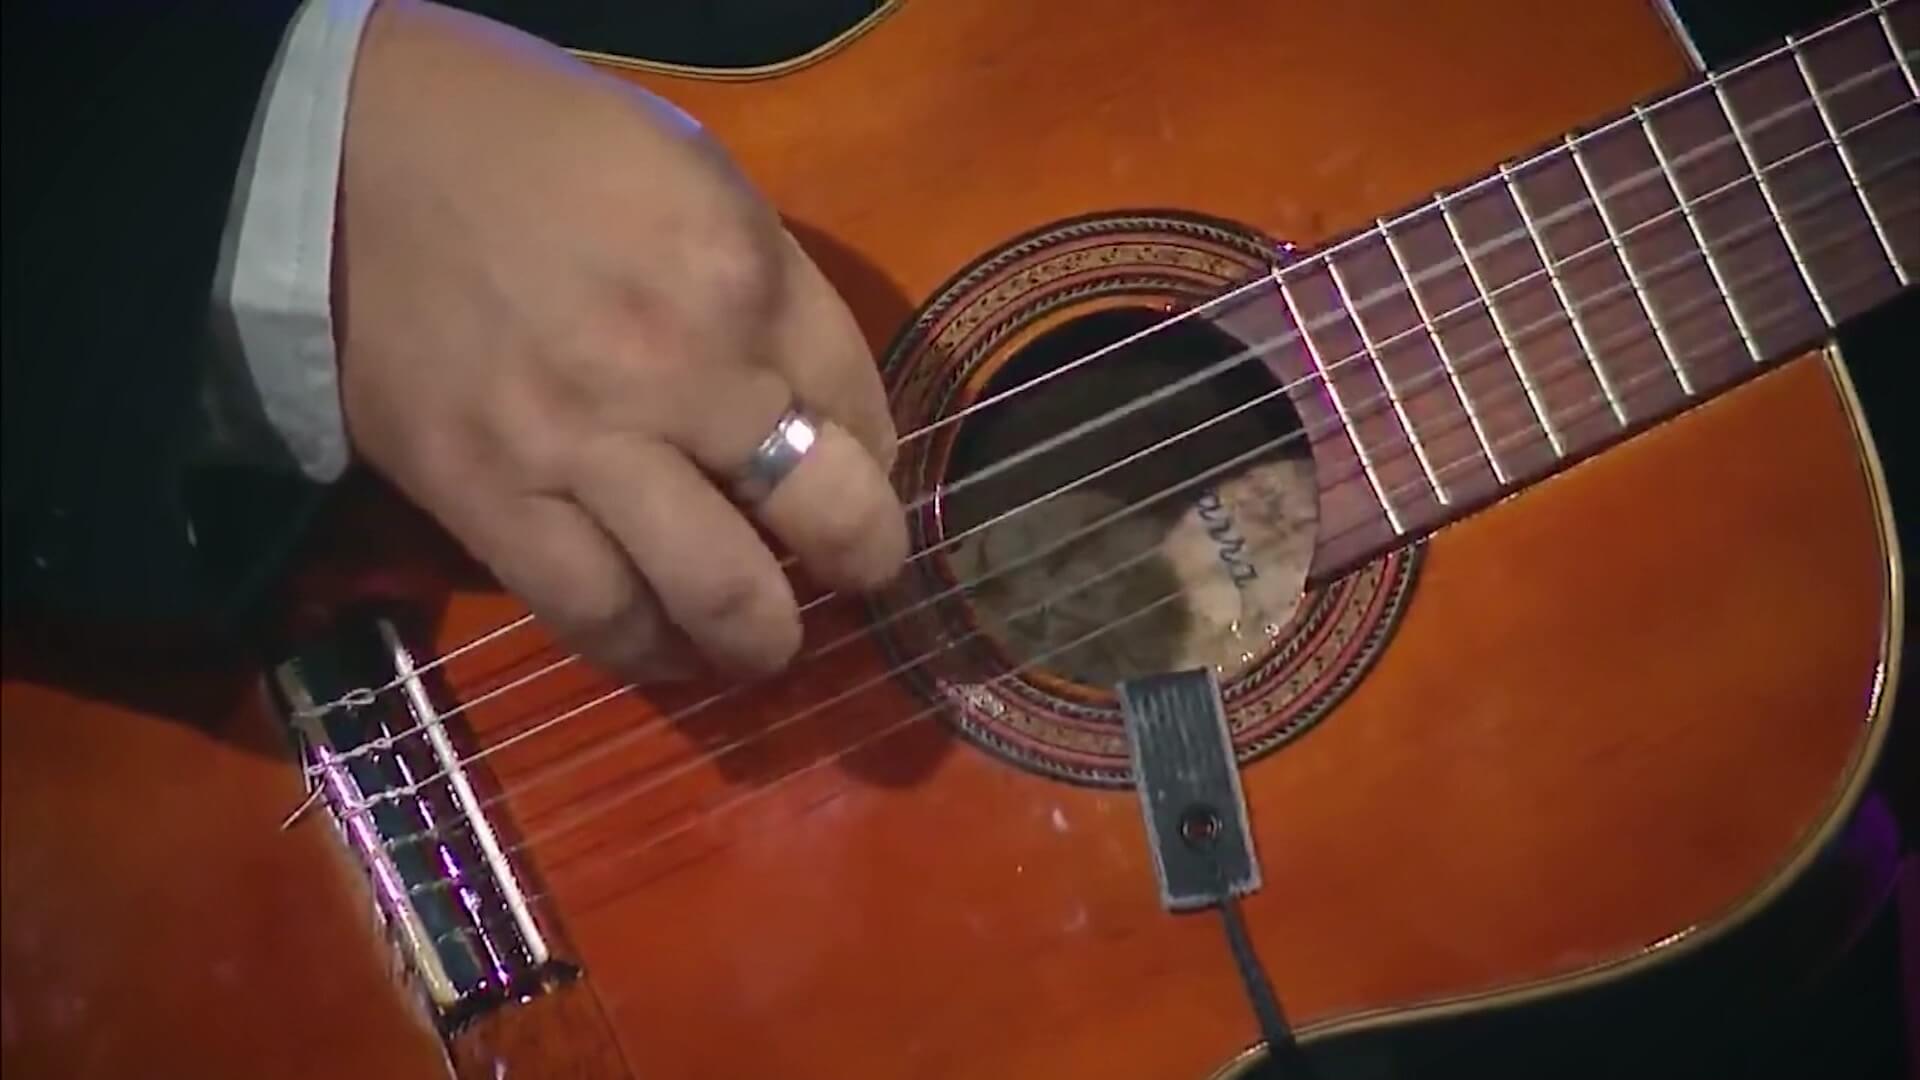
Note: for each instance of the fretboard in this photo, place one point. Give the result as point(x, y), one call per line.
point(1479, 342)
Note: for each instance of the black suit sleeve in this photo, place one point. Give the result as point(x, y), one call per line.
point(125, 124)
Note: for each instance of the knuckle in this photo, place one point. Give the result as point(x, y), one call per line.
point(843, 525)
point(526, 443)
point(595, 608)
point(589, 617)
point(737, 266)
point(743, 624)
point(630, 645)
point(728, 600)
point(861, 540)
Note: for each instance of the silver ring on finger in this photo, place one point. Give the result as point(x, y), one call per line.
point(793, 435)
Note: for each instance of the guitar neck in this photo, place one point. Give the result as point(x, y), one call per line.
point(1468, 347)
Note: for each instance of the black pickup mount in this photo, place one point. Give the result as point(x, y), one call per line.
point(1188, 782)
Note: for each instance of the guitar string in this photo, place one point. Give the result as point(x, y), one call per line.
point(521, 736)
point(1496, 179)
point(365, 695)
point(1433, 376)
point(578, 817)
point(1705, 304)
point(626, 736)
point(1595, 403)
point(599, 750)
point(602, 748)
point(544, 898)
point(1776, 164)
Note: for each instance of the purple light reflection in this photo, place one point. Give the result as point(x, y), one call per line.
point(346, 794)
point(469, 899)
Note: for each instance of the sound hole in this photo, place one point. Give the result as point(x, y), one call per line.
point(1192, 554)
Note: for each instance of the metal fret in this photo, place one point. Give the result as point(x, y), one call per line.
point(1899, 54)
point(1500, 328)
point(1626, 263)
point(1446, 359)
point(1699, 238)
point(1339, 406)
point(1846, 161)
point(1766, 193)
point(1566, 302)
point(1393, 393)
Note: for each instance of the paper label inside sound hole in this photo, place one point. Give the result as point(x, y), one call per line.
point(1235, 551)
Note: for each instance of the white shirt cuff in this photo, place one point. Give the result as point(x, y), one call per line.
point(273, 284)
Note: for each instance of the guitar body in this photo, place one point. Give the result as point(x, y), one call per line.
point(1584, 731)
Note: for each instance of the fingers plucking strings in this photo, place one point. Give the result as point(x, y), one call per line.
point(1702, 304)
point(362, 695)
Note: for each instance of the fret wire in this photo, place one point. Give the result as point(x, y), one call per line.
point(1766, 193)
point(1339, 406)
point(1633, 275)
point(1899, 54)
point(1626, 118)
point(384, 797)
point(869, 740)
point(1278, 274)
point(1699, 237)
point(1446, 358)
point(1398, 264)
point(1427, 324)
point(1566, 302)
point(1500, 329)
point(1380, 228)
point(1846, 160)
point(1393, 394)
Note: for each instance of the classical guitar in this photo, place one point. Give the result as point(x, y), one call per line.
point(1357, 583)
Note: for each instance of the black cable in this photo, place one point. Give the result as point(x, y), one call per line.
point(1285, 1060)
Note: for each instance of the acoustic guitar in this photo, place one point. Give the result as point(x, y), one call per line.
point(1395, 541)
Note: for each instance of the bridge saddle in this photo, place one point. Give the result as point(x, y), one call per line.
point(390, 774)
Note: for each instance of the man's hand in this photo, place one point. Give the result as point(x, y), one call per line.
point(561, 314)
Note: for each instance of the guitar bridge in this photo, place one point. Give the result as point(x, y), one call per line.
point(391, 776)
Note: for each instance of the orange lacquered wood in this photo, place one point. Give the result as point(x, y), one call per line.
point(157, 922)
point(1617, 706)
point(951, 126)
